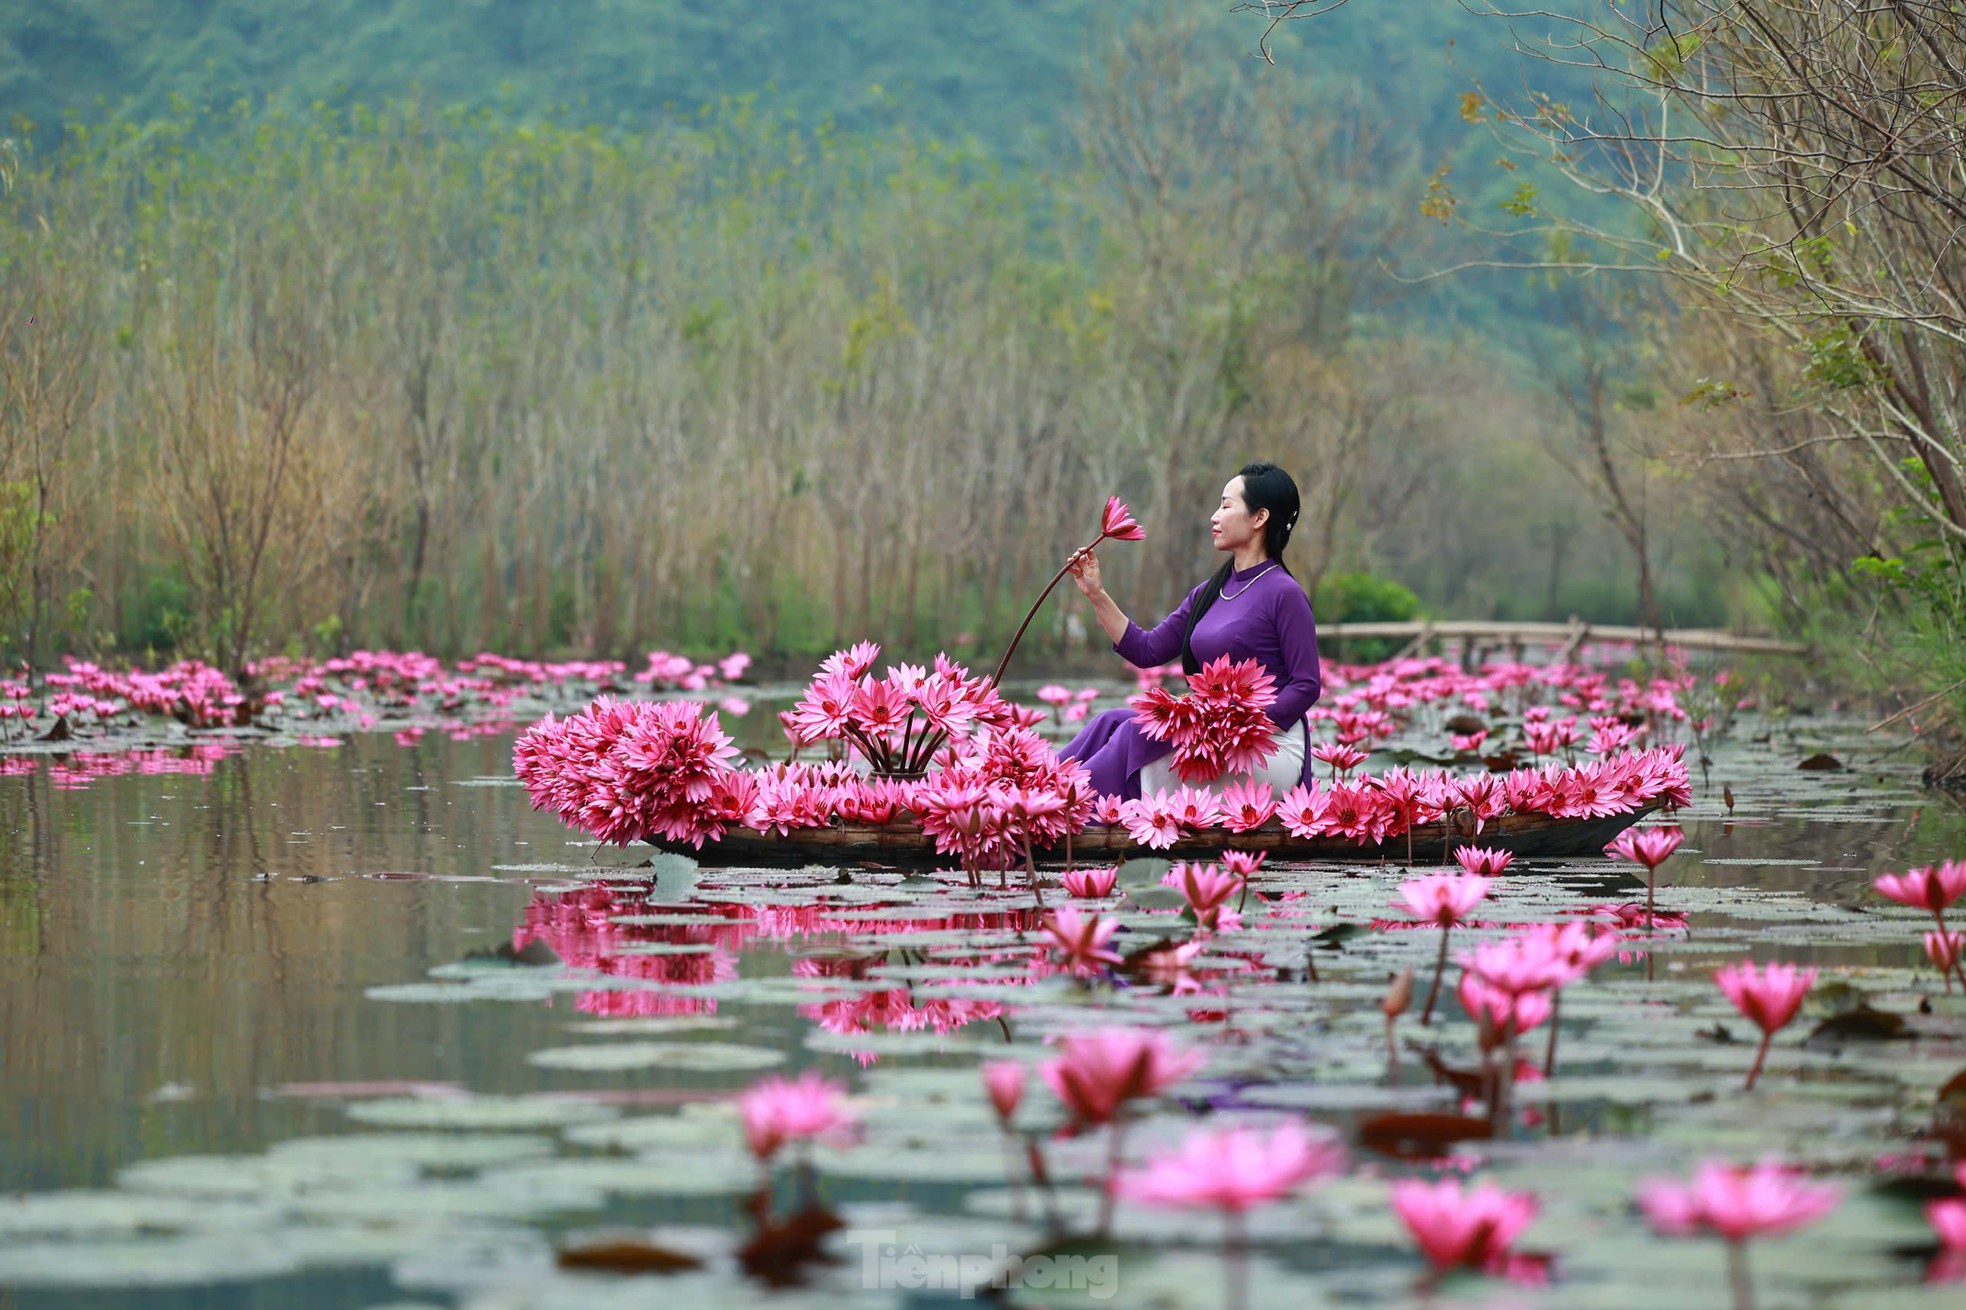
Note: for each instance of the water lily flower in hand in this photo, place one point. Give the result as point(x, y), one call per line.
point(1116, 523)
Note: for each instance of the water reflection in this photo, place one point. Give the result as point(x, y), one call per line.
point(186, 938)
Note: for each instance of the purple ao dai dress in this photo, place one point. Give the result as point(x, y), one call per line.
point(1262, 614)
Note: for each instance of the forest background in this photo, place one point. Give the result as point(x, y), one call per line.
point(595, 326)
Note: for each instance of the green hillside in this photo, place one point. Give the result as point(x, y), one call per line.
point(1000, 71)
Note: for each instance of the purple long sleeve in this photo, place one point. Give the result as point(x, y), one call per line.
point(1145, 649)
point(1301, 680)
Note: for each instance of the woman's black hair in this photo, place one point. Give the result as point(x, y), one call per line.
point(1264, 486)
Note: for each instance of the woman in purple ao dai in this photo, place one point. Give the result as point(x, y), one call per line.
point(1252, 608)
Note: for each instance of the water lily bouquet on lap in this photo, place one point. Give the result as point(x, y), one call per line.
point(1220, 727)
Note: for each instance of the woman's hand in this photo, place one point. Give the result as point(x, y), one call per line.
point(1085, 572)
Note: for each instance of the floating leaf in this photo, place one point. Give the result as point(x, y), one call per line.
point(625, 1255)
point(479, 1112)
point(1420, 1136)
point(693, 1056)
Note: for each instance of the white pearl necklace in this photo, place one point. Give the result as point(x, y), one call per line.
point(1247, 585)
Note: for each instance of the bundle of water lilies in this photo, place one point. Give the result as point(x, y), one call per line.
point(943, 753)
point(1220, 727)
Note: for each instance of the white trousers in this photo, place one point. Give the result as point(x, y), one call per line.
point(1282, 771)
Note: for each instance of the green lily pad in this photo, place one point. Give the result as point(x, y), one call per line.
point(693, 1056)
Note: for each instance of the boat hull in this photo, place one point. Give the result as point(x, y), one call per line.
point(905, 846)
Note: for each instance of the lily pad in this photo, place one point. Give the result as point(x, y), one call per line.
point(693, 1056)
point(479, 1113)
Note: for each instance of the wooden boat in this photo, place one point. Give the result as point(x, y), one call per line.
point(905, 846)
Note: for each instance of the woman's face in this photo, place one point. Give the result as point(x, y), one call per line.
point(1233, 526)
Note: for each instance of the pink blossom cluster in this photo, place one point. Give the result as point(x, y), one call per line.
point(1220, 727)
point(898, 721)
point(1005, 789)
point(358, 686)
point(679, 671)
point(626, 771)
point(580, 927)
point(1374, 808)
point(1509, 986)
point(189, 691)
point(1012, 794)
point(1605, 715)
point(1068, 706)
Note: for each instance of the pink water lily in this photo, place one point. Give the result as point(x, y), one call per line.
point(1118, 523)
point(776, 1111)
point(1004, 1081)
point(1948, 1220)
point(1767, 998)
point(1445, 899)
point(1115, 524)
point(1080, 939)
point(1442, 898)
point(1236, 1169)
point(1460, 1227)
point(1098, 1072)
point(1243, 863)
point(1736, 1203)
point(1500, 1016)
point(1482, 861)
point(1932, 888)
point(1247, 806)
point(1650, 847)
point(1206, 887)
point(1944, 949)
point(1089, 884)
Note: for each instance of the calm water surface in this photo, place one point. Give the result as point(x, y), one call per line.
point(185, 958)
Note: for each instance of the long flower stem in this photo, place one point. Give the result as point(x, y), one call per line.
point(1440, 967)
point(1107, 1201)
point(1759, 1056)
point(997, 677)
point(1010, 1177)
point(1959, 961)
point(1549, 1056)
point(1041, 1175)
point(1737, 1274)
point(1235, 1260)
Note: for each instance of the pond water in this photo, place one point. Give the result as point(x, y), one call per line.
point(247, 1063)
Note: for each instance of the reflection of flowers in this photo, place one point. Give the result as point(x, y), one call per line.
point(897, 1010)
point(579, 925)
point(582, 926)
